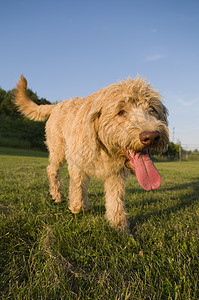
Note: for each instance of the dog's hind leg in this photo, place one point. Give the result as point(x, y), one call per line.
point(115, 210)
point(77, 191)
point(56, 159)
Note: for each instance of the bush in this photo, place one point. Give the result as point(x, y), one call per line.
point(22, 133)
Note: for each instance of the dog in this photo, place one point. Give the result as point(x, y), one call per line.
point(106, 135)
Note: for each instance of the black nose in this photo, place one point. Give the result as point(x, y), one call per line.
point(149, 138)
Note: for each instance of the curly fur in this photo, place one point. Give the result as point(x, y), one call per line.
point(92, 136)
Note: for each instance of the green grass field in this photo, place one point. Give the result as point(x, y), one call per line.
point(48, 253)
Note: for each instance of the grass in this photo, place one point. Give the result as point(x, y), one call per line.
point(49, 253)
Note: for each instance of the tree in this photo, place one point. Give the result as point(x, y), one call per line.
point(15, 129)
point(172, 151)
point(2, 95)
point(7, 107)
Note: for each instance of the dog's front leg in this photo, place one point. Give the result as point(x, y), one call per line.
point(78, 191)
point(115, 210)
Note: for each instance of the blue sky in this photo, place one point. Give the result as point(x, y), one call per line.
point(73, 48)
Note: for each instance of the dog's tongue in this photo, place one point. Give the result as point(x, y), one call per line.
point(146, 173)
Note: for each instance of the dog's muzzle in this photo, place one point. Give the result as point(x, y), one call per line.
point(149, 138)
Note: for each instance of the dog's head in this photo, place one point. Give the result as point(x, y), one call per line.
point(127, 120)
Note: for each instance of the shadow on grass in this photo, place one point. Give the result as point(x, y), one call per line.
point(184, 201)
point(97, 203)
point(194, 184)
point(97, 210)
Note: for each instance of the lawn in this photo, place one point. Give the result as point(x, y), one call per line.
point(46, 252)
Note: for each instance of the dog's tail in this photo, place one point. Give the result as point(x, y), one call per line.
point(27, 107)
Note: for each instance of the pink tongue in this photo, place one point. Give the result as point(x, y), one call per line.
point(146, 173)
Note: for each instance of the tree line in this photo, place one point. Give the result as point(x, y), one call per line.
point(16, 130)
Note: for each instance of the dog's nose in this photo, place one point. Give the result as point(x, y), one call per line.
point(149, 138)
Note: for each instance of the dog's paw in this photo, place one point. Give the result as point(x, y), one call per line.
point(78, 207)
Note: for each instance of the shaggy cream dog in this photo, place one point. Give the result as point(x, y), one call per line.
point(102, 135)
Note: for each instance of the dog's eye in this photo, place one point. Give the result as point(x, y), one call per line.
point(121, 112)
point(153, 110)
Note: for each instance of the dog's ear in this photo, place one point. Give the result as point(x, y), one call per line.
point(93, 116)
point(164, 114)
point(93, 125)
point(160, 109)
